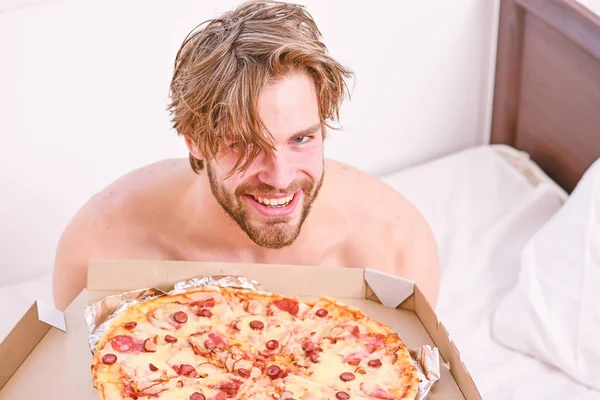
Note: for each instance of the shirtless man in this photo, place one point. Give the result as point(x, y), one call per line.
point(252, 94)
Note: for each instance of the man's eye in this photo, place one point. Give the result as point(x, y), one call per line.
point(302, 139)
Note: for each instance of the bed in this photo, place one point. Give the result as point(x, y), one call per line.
point(485, 203)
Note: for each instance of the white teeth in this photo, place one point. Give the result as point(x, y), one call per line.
point(275, 202)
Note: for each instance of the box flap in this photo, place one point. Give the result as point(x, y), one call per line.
point(107, 277)
point(20, 342)
point(58, 368)
point(50, 315)
point(391, 290)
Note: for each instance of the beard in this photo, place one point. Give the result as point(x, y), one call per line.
point(275, 233)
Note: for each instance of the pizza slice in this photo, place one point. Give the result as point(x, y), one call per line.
point(354, 354)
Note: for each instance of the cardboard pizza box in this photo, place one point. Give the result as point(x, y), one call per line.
point(43, 361)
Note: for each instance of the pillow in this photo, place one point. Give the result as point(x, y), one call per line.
point(553, 313)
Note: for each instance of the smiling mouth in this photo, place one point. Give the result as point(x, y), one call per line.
point(274, 203)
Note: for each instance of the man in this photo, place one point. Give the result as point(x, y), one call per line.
point(252, 94)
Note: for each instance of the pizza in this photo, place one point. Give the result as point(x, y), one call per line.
point(216, 343)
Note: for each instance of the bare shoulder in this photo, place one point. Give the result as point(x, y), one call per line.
point(369, 196)
point(388, 231)
point(101, 225)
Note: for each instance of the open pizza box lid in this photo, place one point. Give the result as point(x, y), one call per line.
point(43, 361)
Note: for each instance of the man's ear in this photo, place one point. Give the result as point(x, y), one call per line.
point(194, 151)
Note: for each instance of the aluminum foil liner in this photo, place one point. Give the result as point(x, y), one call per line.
point(217, 280)
point(427, 361)
point(99, 315)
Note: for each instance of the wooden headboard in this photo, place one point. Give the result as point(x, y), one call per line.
point(547, 85)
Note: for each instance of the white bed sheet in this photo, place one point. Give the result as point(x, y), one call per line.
point(482, 212)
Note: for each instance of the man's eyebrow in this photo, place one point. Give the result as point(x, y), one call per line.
point(308, 131)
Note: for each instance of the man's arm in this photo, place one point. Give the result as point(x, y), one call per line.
point(419, 259)
point(72, 255)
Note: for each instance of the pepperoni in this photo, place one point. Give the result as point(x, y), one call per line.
point(170, 339)
point(209, 345)
point(257, 325)
point(197, 396)
point(353, 359)
point(204, 303)
point(218, 340)
point(342, 396)
point(373, 341)
point(180, 317)
point(272, 344)
point(130, 325)
point(321, 312)
point(149, 345)
point(220, 396)
point(123, 344)
point(273, 371)
point(152, 367)
point(209, 303)
point(230, 388)
point(206, 313)
point(374, 363)
point(289, 305)
point(109, 359)
point(314, 357)
point(308, 346)
point(243, 372)
point(188, 370)
point(347, 376)
point(379, 393)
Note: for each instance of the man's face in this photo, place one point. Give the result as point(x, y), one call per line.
point(271, 200)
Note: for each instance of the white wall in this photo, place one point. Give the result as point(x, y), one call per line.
point(84, 85)
point(592, 5)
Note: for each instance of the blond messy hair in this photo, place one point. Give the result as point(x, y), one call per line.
point(221, 68)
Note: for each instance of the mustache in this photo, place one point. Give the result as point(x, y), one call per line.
point(268, 190)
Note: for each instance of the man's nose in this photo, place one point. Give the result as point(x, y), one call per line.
point(277, 171)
